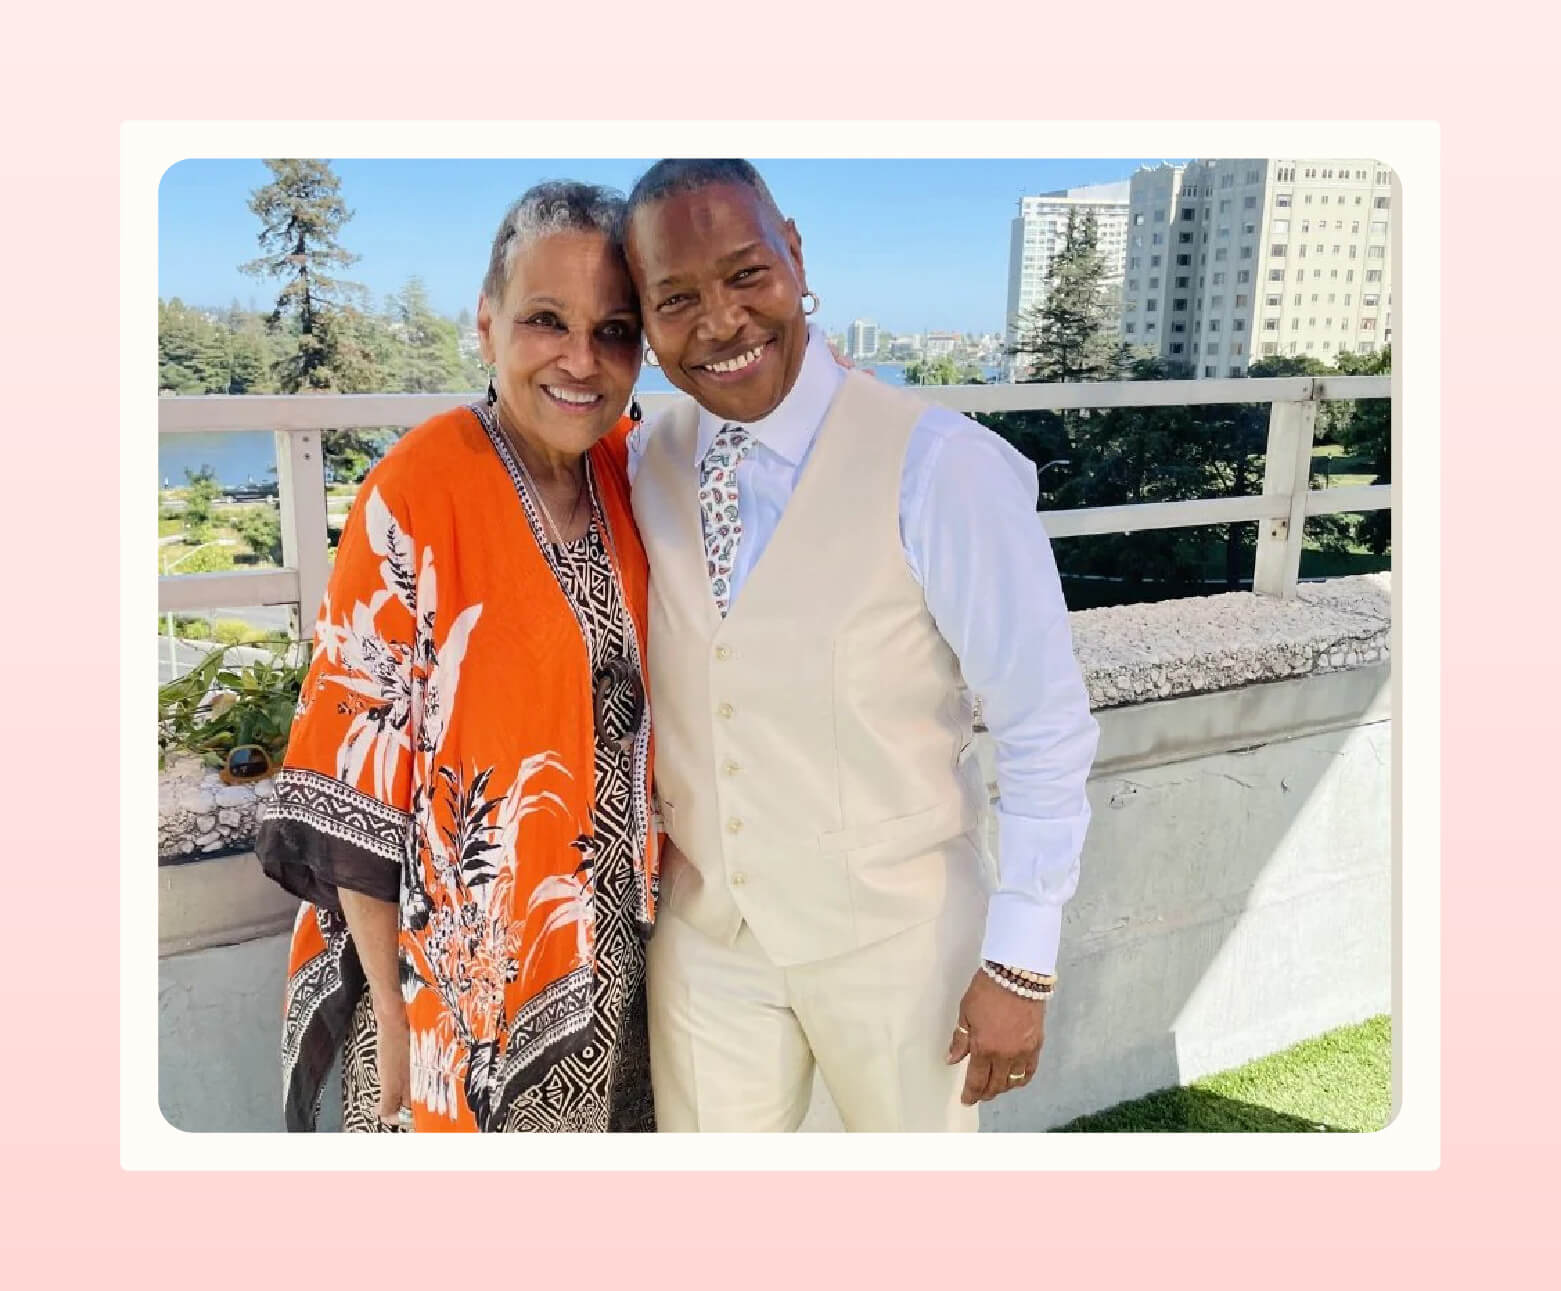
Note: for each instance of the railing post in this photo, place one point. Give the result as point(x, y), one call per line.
point(300, 470)
point(1286, 479)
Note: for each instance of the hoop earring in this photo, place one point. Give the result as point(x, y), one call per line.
point(493, 392)
point(814, 297)
point(635, 415)
point(650, 357)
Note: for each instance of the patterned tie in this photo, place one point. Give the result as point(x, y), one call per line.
point(718, 505)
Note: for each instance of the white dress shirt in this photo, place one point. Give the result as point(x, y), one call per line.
point(976, 545)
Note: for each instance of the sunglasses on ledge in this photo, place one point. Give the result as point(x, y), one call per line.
point(246, 764)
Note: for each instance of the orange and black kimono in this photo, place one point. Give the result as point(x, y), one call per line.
point(472, 743)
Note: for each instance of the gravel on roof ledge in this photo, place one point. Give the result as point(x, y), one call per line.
point(1133, 654)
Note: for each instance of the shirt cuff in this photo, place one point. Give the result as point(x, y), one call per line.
point(1022, 932)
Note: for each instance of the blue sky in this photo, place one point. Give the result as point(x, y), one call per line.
point(910, 244)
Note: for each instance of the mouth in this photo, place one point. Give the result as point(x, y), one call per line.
point(574, 401)
point(740, 366)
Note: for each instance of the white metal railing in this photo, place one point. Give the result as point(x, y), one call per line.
point(1280, 510)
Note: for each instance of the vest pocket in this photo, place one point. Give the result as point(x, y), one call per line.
point(899, 836)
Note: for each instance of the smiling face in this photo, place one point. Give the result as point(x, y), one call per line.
point(721, 281)
point(565, 341)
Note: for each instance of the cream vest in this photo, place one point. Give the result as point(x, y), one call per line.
point(808, 747)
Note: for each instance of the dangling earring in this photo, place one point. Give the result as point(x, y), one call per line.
point(635, 415)
point(650, 357)
point(813, 296)
point(493, 393)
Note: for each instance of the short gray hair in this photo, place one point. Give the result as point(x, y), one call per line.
point(674, 175)
point(555, 206)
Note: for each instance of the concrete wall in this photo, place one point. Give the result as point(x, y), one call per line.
point(1235, 891)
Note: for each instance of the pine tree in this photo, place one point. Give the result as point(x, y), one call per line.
point(430, 357)
point(1069, 336)
point(301, 213)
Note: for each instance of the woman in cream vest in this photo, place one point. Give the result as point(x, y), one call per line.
point(835, 565)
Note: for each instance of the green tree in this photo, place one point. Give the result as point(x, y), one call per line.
point(945, 370)
point(1367, 434)
point(200, 495)
point(261, 529)
point(1069, 336)
point(301, 214)
point(430, 346)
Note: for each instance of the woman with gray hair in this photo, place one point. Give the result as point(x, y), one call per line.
point(465, 802)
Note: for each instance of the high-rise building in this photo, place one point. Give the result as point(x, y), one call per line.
point(1040, 230)
point(862, 339)
point(1229, 262)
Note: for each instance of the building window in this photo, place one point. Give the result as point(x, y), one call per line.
point(1276, 275)
point(1349, 275)
point(1269, 325)
point(1282, 201)
point(1235, 371)
point(1159, 215)
point(1301, 250)
point(1246, 253)
point(1374, 253)
point(1179, 304)
point(1129, 306)
point(1249, 203)
point(1271, 302)
point(1148, 328)
point(1297, 298)
point(1129, 328)
point(1293, 346)
point(1295, 324)
point(1370, 300)
point(1300, 275)
point(1382, 177)
point(1277, 251)
point(1216, 302)
point(1368, 324)
point(1241, 302)
point(1179, 327)
point(1138, 219)
point(1280, 228)
point(1184, 260)
point(1217, 279)
point(1152, 305)
point(1328, 173)
point(1238, 325)
point(1154, 262)
point(1177, 347)
point(1133, 263)
point(1367, 347)
point(1132, 284)
point(1243, 275)
point(1153, 283)
point(1323, 200)
point(1224, 205)
point(1183, 238)
point(1379, 228)
point(1308, 199)
point(1187, 213)
point(1270, 348)
point(1182, 281)
point(1317, 273)
point(1157, 240)
point(1308, 345)
point(1353, 249)
point(1208, 371)
point(1220, 253)
point(1380, 203)
point(1214, 324)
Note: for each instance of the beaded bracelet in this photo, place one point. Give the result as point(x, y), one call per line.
point(1032, 986)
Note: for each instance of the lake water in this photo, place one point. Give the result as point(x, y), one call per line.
point(245, 455)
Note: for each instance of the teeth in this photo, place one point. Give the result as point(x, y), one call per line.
point(737, 364)
point(572, 396)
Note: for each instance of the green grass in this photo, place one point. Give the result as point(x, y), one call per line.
point(1340, 1082)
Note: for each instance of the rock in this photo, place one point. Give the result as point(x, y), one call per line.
point(205, 823)
point(235, 795)
point(265, 788)
point(209, 840)
point(229, 816)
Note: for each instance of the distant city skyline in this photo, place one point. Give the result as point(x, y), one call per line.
point(917, 245)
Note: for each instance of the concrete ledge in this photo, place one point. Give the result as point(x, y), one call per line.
point(1132, 654)
point(218, 903)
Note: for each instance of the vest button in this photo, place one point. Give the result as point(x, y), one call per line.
point(723, 652)
point(731, 768)
point(738, 879)
point(726, 710)
point(734, 826)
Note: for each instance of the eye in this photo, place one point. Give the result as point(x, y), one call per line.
point(745, 275)
point(618, 332)
point(545, 319)
point(674, 302)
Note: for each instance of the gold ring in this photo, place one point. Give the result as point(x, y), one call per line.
point(961, 1028)
point(1016, 1075)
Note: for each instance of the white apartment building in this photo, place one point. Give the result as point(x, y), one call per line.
point(1040, 230)
point(862, 339)
point(1233, 261)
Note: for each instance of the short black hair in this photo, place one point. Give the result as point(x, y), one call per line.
point(691, 174)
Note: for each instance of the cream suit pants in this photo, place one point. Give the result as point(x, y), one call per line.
point(734, 1039)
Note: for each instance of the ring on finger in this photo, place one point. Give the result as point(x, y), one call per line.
point(961, 1028)
point(1018, 1075)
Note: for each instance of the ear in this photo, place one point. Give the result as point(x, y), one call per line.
point(485, 328)
point(794, 250)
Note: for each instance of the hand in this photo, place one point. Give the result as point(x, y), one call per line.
point(393, 1056)
point(1002, 1034)
point(840, 358)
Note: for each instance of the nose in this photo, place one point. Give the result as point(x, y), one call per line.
point(722, 317)
point(578, 356)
